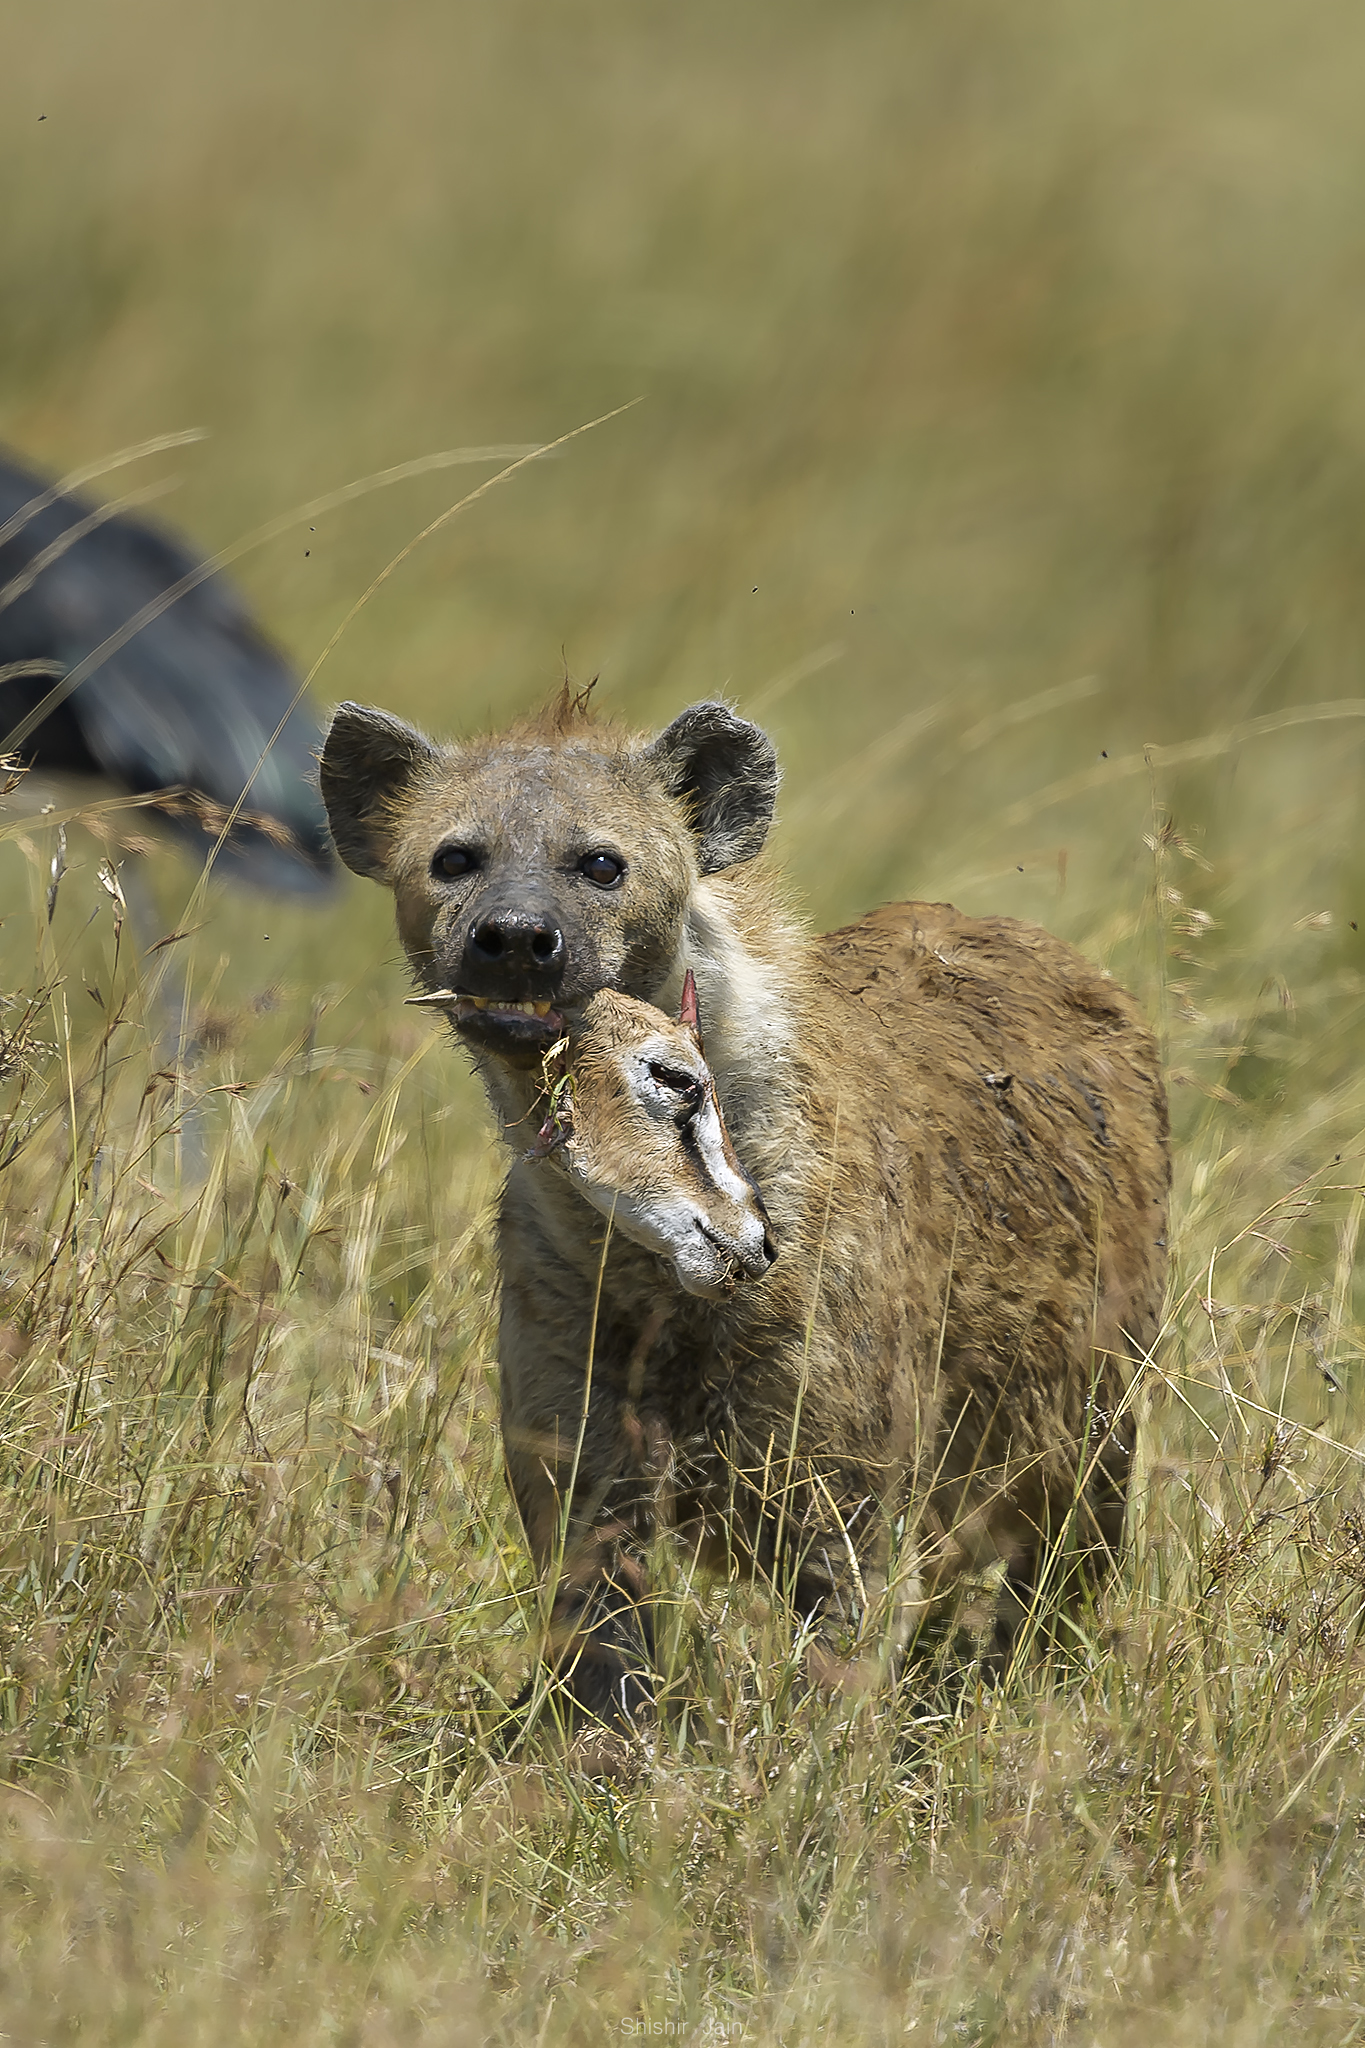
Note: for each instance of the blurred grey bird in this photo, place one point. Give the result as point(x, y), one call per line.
point(187, 706)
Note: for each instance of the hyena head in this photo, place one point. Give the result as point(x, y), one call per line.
point(534, 867)
point(638, 1128)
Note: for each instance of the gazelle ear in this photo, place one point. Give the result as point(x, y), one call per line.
point(687, 1010)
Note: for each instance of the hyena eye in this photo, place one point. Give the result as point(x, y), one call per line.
point(449, 861)
point(602, 868)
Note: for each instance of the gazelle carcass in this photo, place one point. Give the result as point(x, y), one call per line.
point(633, 1116)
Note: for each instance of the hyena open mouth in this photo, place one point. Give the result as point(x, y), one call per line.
point(515, 1028)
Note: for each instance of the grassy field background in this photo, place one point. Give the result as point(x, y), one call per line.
point(999, 446)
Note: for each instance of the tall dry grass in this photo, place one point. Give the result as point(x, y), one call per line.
point(263, 1600)
point(1000, 449)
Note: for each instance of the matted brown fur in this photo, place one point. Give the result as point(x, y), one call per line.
point(959, 1130)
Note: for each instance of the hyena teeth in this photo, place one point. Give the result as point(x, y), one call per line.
point(528, 1008)
point(524, 1008)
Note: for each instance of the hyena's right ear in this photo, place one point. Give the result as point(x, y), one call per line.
point(369, 759)
point(725, 771)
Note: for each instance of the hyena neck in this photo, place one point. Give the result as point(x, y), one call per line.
point(751, 966)
point(516, 1096)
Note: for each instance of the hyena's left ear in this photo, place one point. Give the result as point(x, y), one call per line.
point(369, 761)
point(725, 772)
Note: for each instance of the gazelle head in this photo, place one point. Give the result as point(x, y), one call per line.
point(639, 1130)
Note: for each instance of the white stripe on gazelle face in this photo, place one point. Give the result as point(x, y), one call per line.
point(644, 1140)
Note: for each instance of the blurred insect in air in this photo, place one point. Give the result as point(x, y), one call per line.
point(193, 707)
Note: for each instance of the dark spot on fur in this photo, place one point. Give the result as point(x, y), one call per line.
point(1095, 1116)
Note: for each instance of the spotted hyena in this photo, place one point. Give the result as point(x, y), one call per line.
point(958, 1129)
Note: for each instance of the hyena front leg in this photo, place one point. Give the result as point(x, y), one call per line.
point(589, 1539)
point(589, 1477)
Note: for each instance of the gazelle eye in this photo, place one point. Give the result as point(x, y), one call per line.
point(685, 1086)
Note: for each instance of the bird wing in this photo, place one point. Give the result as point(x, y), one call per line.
point(196, 701)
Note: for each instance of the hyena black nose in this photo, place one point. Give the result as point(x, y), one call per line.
point(517, 945)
